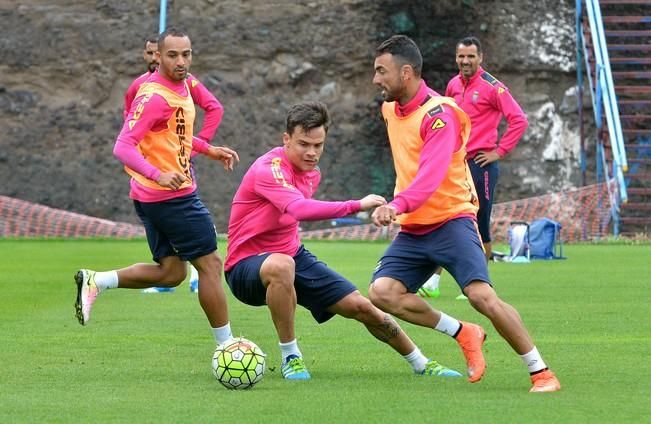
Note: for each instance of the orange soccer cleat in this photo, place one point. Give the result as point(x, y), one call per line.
point(545, 381)
point(470, 339)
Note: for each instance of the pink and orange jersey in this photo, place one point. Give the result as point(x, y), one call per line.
point(131, 92)
point(486, 100)
point(157, 137)
point(271, 200)
point(202, 97)
point(167, 150)
point(428, 136)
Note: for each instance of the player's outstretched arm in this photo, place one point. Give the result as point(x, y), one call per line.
point(372, 201)
point(228, 157)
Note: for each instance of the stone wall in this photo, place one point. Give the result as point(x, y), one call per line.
point(65, 65)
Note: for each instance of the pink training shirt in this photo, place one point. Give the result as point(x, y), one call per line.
point(154, 117)
point(486, 100)
point(271, 200)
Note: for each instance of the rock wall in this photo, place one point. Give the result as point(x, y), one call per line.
point(64, 66)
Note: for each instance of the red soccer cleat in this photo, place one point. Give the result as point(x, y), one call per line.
point(470, 339)
point(545, 381)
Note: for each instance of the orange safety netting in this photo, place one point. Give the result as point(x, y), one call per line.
point(19, 218)
point(584, 214)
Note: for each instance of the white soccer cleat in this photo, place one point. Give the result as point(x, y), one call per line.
point(87, 292)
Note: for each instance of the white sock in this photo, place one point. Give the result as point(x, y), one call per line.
point(222, 333)
point(433, 282)
point(289, 348)
point(417, 360)
point(448, 325)
point(533, 360)
point(106, 280)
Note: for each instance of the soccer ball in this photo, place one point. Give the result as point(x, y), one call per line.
point(238, 364)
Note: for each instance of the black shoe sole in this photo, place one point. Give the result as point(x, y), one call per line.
point(79, 280)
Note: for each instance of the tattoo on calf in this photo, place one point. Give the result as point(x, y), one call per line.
point(386, 330)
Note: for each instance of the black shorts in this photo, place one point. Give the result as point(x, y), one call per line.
point(455, 246)
point(317, 286)
point(179, 227)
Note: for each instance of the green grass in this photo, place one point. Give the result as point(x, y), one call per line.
point(146, 358)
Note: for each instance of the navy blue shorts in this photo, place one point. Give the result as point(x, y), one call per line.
point(179, 227)
point(485, 179)
point(455, 246)
point(317, 286)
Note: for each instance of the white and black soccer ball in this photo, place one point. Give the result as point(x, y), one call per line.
point(238, 364)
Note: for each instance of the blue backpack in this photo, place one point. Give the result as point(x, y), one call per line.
point(545, 239)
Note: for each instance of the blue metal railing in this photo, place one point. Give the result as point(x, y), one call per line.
point(162, 19)
point(604, 101)
point(605, 83)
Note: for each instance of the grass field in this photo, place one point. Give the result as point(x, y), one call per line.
point(146, 358)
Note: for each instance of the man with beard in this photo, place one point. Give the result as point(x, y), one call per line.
point(485, 100)
point(436, 204)
point(202, 97)
point(149, 56)
point(155, 146)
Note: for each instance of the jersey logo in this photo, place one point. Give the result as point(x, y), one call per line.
point(475, 97)
point(500, 90)
point(194, 83)
point(278, 174)
point(489, 78)
point(438, 124)
point(434, 111)
point(139, 108)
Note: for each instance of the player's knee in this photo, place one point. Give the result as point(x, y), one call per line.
point(278, 269)
point(380, 294)
point(278, 265)
point(209, 264)
point(363, 310)
point(482, 297)
point(373, 295)
point(174, 276)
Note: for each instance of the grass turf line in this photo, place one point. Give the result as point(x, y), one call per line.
point(146, 358)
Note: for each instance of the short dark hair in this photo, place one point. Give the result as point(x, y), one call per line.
point(307, 115)
point(470, 41)
point(404, 49)
point(151, 39)
point(171, 32)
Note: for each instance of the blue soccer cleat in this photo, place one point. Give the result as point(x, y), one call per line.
point(294, 369)
point(435, 369)
point(194, 280)
point(151, 290)
point(194, 286)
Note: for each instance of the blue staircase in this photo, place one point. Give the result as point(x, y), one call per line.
point(614, 48)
